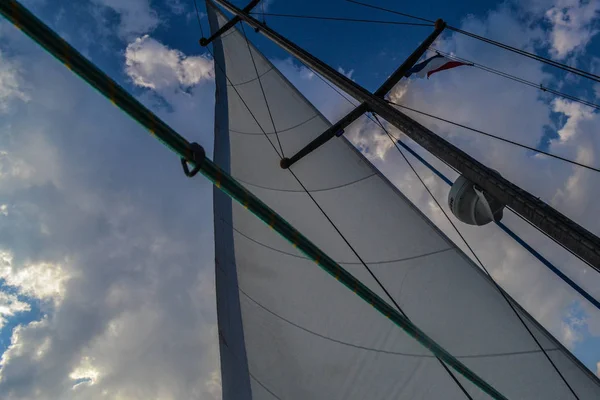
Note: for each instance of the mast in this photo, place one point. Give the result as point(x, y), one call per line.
point(556, 225)
point(235, 378)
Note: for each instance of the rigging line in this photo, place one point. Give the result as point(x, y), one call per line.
point(533, 56)
point(524, 219)
point(383, 288)
point(47, 38)
point(320, 17)
point(263, 92)
point(502, 293)
point(390, 11)
point(460, 385)
point(351, 247)
point(497, 137)
point(554, 240)
point(518, 79)
point(198, 16)
point(330, 220)
point(510, 233)
point(524, 53)
point(337, 91)
point(376, 279)
point(315, 202)
point(239, 95)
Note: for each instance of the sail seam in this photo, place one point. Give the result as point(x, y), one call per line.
point(342, 235)
point(459, 367)
point(496, 284)
point(262, 89)
point(263, 385)
point(273, 133)
point(302, 191)
point(343, 262)
point(253, 79)
point(397, 353)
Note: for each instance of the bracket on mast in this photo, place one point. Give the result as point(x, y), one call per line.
point(197, 157)
point(337, 129)
point(204, 41)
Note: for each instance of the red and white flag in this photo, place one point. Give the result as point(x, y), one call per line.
point(432, 65)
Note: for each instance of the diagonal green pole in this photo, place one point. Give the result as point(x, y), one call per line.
point(55, 45)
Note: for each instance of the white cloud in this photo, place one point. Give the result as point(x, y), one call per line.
point(176, 6)
point(11, 167)
point(264, 5)
point(136, 16)
point(495, 105)
point(88, 227)
point(348, 73)
point(11, 84)
point(370, 139)
point(153, 65)
point(570, 336)
point(85, 372)
point(137, 317)
point(10, 305)
point(572, 25)
point(44, 281)
point(576, 113)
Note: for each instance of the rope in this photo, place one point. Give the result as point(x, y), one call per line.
point(524, 53)
point(198, 17)
point(541, 59)
point(368, 269)
point(319, 17)
point(538, 86)
point(218, 65)
point(21, 18)
point(390, 11)
point(466, 243)
point(496, 137)
point(263, 93)
point(477, 65)
point(394, 141)
point(455, 170)
point(554, 240)
point(343, 237)
point(523, 218)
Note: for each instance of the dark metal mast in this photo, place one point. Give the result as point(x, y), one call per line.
point(572, 236)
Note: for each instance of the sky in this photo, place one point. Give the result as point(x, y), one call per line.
point(106, 252)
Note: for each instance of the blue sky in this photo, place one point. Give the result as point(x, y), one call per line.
point(91, 226)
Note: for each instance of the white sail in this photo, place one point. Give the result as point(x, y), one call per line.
point(287, 329)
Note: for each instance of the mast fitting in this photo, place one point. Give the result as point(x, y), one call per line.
point(198, 155)
point(230, 24)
